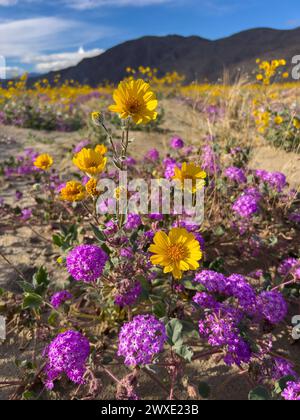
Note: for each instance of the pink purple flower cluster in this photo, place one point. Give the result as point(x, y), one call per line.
point(86, 263)
point(170, 165)
point(292, 391)
point(134, 221)
point(236, 174)
point(67, 353)
point(222, 331)
point(141, 339)
point(128, 294)
point(59, 298)
point(275, 180)
point(246, 206)
point(273, 306)
point(290, 266)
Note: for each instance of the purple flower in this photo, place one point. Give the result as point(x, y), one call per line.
point(19, 195)
point(239, 287)
point(275, 180)
point(141, 339)
point(26, 214)
point(111, 227)
point(82, 144)
point(273, 306)
point(290, 266)
point(130, 296)
point(134, 221)
point(282, 368)
point(153, 155)
point(86, 263)
point(177, 143)
point(292, 391)
point(210, 161)
point(222, 331)
point(214, 282)
point(68, 354)
point(156, 217)
point(127, 253)
point(245, 206)
point(236, 174)
point(130, 161)
point(205, 300)
point(60, 297)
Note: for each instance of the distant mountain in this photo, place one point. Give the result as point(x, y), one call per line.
point(197, 58)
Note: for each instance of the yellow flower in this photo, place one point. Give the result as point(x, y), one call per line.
point(278, 120)
point(73, 191)
point(43, 162)
point(259, 77)
point(135, 99)
point(193, 172)
point(91, 188)
point(100, 148)
point(296, 123)
point(177, 252)
point(90, 161)
point(97, 118)
point(285, 75)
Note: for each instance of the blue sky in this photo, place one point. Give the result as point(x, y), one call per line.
point(41, 35)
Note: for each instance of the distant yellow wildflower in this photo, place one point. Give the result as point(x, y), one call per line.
point(73, 191)
point(193, 172)
point(177, 252)
point(43, 162)
point(278, 120)
point(90, 161)
point(135, 99)
point(296, 123)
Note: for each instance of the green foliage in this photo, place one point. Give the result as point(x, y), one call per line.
point(259, 394)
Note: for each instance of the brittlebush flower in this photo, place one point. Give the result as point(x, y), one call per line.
point(43, 162)
point(73, 191)
point(135, 99)
point(192, 172)
point(278, 120)
point(177, 252)
point(97, 118)
point(90, 161)
point(296, 123)
point(100, 148)
point(91, 188)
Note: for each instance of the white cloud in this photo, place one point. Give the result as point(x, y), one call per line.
point(36, 36)
point(91, 4)
point(8, 2)
point(53, 62)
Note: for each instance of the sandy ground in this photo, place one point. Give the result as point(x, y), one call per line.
point(27, 250)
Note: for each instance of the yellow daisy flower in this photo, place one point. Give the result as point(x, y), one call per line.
point(91, 188)
point(73, 191)
point(193, 172)
point(97, 118)
point(177, 252)
point(135, 99)
point(43, 162)
point(90, 161)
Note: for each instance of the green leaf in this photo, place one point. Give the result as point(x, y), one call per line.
point(204, 390)
point(174, 332)
point(52, 320)
point(185, 352)
point(282, 384)
point(40, 281)
point(98, 234)
point(57, 240)
point(259, 394)
point(159, 310)
point(1, 292)
point(32, 301)
point(26, 287)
